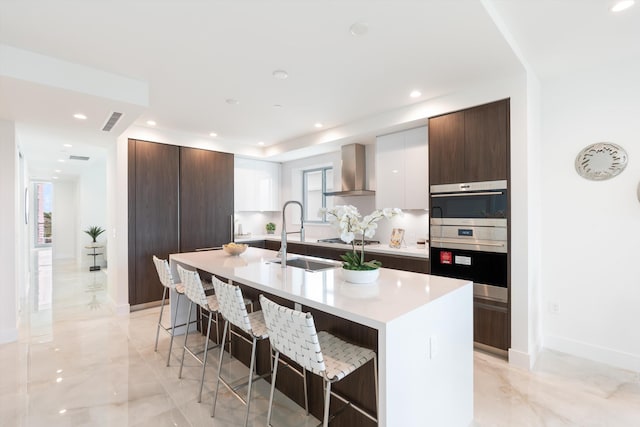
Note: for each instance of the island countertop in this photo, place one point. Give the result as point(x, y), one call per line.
point(423, 324)
point(394, 293)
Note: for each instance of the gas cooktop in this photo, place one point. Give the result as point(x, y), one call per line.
point(358, 242)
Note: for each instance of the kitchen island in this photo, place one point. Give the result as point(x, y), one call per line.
point(423, 325)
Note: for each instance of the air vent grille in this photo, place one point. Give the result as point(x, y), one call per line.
point(85, 158)
point(111, 121)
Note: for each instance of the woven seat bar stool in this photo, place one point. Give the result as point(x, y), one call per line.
point(293, 333)
point(166, 279)
point(194, 291)
point(233, 308)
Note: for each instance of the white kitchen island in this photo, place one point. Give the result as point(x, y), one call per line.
point(424, 325)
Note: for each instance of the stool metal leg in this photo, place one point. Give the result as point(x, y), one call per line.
point(184, 347)
point(173, 328)
point(327, 401)
point(306, 396)
point(375, 382)
point(164, 294)
point(204, 358)
point(273, 386)
point(251, 368)
point(215, 396)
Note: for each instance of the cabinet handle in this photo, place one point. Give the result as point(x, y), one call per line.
point(484, 193)
point(232, 227)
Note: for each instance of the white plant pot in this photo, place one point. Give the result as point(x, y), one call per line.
point(361, 276)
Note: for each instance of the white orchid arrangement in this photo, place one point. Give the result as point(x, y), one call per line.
point(351, 224)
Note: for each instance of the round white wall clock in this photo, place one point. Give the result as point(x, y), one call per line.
point(602, 160)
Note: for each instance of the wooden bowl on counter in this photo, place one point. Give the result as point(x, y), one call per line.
point(235, 249)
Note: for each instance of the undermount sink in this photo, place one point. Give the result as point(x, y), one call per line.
point(308, 265)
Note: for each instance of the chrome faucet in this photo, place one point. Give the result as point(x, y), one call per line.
point(283, 247)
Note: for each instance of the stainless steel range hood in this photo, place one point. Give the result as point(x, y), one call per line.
point(353, 172)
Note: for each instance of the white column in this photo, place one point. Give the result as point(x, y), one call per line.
point(8, 225)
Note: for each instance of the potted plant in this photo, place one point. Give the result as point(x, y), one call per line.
point(349, 222)
point(271, 228)
point(94, 231)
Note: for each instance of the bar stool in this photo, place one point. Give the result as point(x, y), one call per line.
point(194, 291)
point(166, 278)
point(233, 308)
point(293, 333)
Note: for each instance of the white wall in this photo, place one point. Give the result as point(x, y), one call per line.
point(91, 209)
point(9, 197)
point(64, 219)
point(117, 227)
point(591, 230)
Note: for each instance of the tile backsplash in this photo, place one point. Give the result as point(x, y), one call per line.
point(414, 222)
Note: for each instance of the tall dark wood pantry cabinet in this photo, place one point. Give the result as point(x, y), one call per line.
point(180, 200)
point(154, 173)
point(206, 199)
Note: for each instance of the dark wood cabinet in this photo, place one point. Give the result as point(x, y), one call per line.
point(486, 132)
point(180, 199)
point(446, 148)
point(470, 145)
point(153, 214)
point(206, 199)
point(491, 324)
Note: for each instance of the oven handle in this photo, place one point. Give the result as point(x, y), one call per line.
point(484, 193)
point(467, 242)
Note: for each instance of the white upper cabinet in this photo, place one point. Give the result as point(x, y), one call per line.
point(402, 170)
point(256, 185)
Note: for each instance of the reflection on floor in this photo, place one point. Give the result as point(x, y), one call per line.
point(77, 364)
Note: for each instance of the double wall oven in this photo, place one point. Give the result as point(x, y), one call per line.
point(468, 234)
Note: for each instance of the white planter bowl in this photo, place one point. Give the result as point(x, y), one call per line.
point(360, 276)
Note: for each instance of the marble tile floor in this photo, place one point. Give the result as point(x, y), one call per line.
point(78, 364)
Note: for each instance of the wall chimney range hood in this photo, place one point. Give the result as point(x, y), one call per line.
point(353, 172)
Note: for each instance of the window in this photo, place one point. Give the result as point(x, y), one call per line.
point(43, 196)
point(315, 182)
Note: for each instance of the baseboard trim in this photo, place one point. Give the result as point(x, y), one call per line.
point(618, 359)
point(121, 309)
point(146, 305)
point(520, 359)
point(8, 335)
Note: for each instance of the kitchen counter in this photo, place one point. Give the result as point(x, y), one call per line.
point(424, 327)
point(409, 251)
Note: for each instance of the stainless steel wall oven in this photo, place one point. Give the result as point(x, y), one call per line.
point(468, 235)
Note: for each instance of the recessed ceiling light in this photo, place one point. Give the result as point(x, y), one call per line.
point(261, 143)
point(62, 411)
point(57, 171)
point(415, 94)
point(67, 145)
point(622, 5)
point(80, 116)
point(151, 123)
point(61, 160)
point(359, 29)
point(318, 125)
point(232, 101)
point(54, 177)
point(213, 134)
point(280, 74)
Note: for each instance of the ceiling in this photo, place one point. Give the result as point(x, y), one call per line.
point(195, 55)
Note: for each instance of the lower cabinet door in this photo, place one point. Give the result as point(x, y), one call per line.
point(491, 324)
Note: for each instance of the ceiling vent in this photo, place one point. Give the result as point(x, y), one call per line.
point(111, 121)
point(85, 158)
